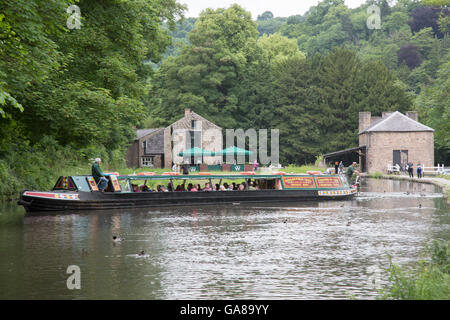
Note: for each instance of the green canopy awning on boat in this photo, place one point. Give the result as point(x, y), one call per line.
point(233, 151)
point(195, 152)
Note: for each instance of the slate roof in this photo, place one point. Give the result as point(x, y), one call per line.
point(143, 132)
point(195, 116)
point(396, 122)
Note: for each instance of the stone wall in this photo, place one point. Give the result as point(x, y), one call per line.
point(132, 156)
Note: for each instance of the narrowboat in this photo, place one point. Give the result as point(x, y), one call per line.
point(81, 192)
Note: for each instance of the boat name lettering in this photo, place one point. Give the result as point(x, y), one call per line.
point(328, 182)
point(298, 182)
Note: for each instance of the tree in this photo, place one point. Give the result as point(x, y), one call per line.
point(207, 75)
point(82, 86)
point(409, 54)
point(317, 100)
point(423, 17)
point(433, 104)
point(265, 16)
point(270, 26)
point(297, 111)
point(28, 52)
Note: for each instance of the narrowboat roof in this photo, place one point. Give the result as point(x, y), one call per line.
point(214, 176)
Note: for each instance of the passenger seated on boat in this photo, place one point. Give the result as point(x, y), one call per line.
point(251, 185)
point(178, 189)
point(192, 188)
point(144, 188)
point(197, 186)
point(278, 185)
point(207, 187)
point(227, 187)
point(170, 186)
point(234, 186)
point(242, 186)
point(164, 189)
point(217, 187)
point(222, 188)
point(135, 188)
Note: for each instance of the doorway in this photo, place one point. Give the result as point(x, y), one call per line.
point(400, 158)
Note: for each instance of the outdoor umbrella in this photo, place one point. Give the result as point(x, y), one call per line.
point(195, 152)
point(233, 151)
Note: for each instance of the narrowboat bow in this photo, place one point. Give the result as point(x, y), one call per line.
point(81, 192)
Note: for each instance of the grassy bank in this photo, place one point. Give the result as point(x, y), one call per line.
point(37, 167)
point(428, 279)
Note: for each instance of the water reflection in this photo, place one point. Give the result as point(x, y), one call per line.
point(305, 250)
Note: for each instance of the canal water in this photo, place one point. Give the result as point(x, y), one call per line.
point(309, 250)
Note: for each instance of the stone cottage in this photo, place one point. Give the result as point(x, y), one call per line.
point(394, 138)
point(192, 131)
point(159, 147)
point(147, 149)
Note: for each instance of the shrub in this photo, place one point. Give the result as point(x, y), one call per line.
point(429, 279)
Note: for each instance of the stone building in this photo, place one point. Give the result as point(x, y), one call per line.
point(394, 138)
point(147, 149)
point(159, 147)
point(192, 131)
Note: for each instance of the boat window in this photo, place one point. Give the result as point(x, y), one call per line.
point(125, 185)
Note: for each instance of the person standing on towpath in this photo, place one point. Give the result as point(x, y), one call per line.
point(411, 170)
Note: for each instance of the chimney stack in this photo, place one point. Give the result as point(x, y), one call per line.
point(187, 112)
point(364, 120)
point(413, 115)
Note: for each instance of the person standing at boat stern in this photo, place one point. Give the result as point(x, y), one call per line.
point(349, 172)
point(98, 175)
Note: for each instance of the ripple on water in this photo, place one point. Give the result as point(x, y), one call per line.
point(309, 250)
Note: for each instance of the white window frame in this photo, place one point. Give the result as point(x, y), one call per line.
point(148, 161)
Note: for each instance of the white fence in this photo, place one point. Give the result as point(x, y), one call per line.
point(439, 169)
point(434, 170)
point(393, 169)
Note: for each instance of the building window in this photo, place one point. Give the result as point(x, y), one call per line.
point(194, 124)
point(144, 146)
point(147, 161)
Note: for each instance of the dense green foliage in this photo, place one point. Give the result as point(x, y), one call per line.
point(79, 92)
point(310, 75)
point(70, 95)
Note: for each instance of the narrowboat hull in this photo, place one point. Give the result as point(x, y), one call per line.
point(37, 201)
